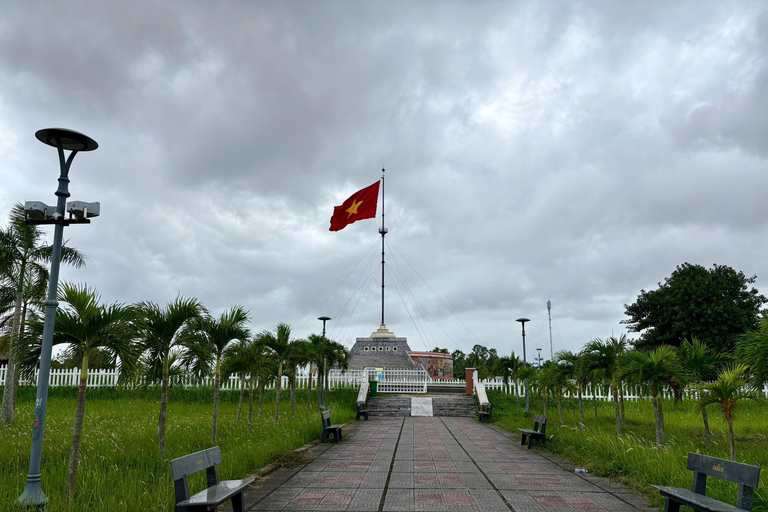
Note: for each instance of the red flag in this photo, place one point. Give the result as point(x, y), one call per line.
point(360, 205)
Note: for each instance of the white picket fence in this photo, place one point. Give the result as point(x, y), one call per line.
point(389, 381)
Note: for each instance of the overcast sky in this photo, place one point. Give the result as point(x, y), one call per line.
point(563, 151)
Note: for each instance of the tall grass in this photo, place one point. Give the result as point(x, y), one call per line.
point(632, 457)
point(119, 468)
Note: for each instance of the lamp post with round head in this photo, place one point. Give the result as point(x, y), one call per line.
point(325, 384)
point(525, 362)
point(37, 212)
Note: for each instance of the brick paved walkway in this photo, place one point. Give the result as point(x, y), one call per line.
point(434, 464)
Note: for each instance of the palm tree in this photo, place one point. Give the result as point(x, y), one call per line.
point(237, 362)
point(279, 343)
point(576, 366)
point(315, 356)
point(160, 329)
point(752, 350)
point(565, 369)
point(657, 369)
point(23, 255)
point(206, 339)
point(336, 354)
point(606, 356)
point(87, 327)
point(730, 388)
point(703, 365)
point(298, 355)
point(508, 368)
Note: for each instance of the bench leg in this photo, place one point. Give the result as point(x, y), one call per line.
point(237, 502)
point(671, 506)
point(530, 442)
point(523, 441)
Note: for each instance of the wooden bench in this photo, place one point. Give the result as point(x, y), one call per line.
point(329, 429)
point(216, 493)
point(361, 412)
point(702, 466)
point(539, 431)
point(485, 414)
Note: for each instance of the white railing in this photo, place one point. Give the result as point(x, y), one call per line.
point(390, 381)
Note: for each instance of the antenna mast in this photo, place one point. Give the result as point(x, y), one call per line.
point(383, 230)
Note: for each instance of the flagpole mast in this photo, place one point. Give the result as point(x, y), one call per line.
point(383, 232)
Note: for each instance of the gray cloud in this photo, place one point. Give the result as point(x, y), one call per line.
point(574, 152)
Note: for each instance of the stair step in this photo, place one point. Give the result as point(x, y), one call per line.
point(441, 406)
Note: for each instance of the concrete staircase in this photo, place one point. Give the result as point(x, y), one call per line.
point(449, 405)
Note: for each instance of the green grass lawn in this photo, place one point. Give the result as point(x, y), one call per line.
point(119, 468)
point(633, 457)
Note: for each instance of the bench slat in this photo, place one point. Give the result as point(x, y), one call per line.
point(216, 494)
point(195, 462)
point(735, 472)
point(686, 497)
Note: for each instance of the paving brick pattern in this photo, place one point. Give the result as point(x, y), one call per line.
point(434, 464)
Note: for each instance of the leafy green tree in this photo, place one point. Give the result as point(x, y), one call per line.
point(605, 355)
point(160, 330)
point(335, 354)
point(657, 369)
point(728, 391)
point(459, 364)
point(564, 370)
point(86, 327)
point(279, 343)
point(23, 265)
point(440, 350)
point(713, 305)
point(206, 339)
point(752, 350)
point(702, 364)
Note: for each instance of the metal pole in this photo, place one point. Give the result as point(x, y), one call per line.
point(323, 394)
point(383, 232)
point(549, 314)
point(33, 495)
point(525, 362)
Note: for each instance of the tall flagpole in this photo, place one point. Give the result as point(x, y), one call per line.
point(383, 232)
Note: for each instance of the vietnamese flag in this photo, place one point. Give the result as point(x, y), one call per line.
point(360, 205)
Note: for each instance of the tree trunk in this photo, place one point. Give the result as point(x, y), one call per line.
point(517, 394)
point(261, 396)
point(277, 391)
point(320, 387)
point(615, 393)
point(327, 389)
point(733, 441)
point(560, 406)
point(77, 429)
point(621, 400)
point(8, 410)
point(706, 428)
point(581, 409)
point(242, 392)
point(163, 411)
point(250, 404)
point(19, 335)
point(293, 393)
point(594, 401)
point(309, 387)
point(659, 410)
point(216, 385)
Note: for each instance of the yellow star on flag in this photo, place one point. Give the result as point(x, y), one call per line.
point(353, 209)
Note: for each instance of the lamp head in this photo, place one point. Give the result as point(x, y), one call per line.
point(70, 139)
point(523, 320)
point(324, 318)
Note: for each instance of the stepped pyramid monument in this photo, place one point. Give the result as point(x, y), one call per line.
point(382, 349)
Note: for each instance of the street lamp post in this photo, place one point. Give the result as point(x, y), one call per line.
point(525, 362)
point(539, 359)
point(39, 213)
point(325, 384)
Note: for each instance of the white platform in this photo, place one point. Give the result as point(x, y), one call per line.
point(421, 406)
